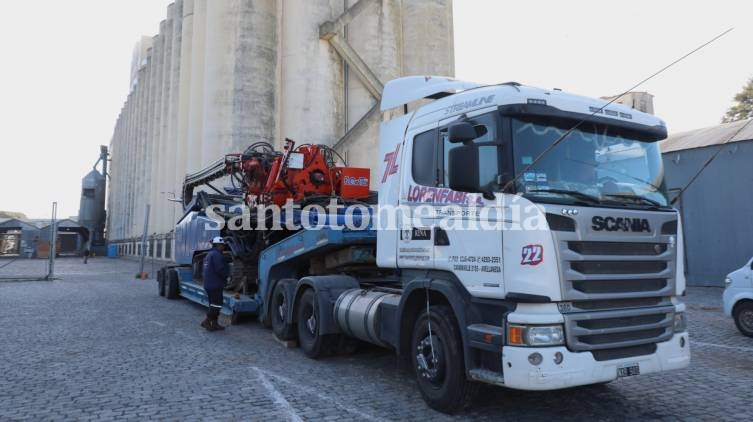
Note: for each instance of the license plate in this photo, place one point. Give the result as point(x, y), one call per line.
point(628, 371)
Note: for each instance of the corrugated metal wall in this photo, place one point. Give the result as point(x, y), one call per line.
point(717, 209)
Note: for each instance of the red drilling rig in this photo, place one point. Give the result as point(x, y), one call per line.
point(264, 176)
point(306, 174)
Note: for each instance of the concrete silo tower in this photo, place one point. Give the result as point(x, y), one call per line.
point(221, 75)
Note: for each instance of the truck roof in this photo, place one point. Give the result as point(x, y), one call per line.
point(454, 97)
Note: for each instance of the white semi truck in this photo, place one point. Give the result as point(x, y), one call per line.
point(535, 248)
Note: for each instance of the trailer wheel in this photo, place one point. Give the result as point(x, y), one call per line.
point(743, 314)
point(172, 287)
point(437, 357)
point(279, 306)
point(161, 281)
point(313, 344)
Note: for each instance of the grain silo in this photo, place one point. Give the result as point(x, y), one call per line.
point(221, 75)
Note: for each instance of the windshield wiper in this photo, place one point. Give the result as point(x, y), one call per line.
point(634, 197)
point(573, 193)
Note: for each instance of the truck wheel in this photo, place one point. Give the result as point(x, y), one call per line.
point(314, 345)
point(279, 305)
point(161, 282)
point(744, 318)
point(438, 361)
point(172, 287)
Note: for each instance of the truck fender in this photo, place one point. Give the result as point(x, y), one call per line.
point(413, 301)
point(327, 289)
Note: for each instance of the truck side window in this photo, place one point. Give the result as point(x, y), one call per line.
point(488, 142)
point(424, 158)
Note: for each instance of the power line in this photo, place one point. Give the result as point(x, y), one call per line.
point(601, 109)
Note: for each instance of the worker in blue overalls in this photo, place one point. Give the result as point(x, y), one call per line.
point(215, 273)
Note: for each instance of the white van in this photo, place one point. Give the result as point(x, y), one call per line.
point(738, 298)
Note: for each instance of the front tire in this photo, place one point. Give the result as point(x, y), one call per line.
point(313, 344)
point(744, 318)
point(438, 361)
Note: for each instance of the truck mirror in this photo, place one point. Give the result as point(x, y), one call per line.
point(461, 132)
point(503, 179)
point(463, 167)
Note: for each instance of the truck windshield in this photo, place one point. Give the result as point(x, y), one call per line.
point(593, 165)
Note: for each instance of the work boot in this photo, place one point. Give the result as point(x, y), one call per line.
point(205, 323)
point(215, 326)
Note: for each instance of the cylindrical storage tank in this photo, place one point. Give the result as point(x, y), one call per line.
point(254, 81)
point(375, 34)
point(184, 96)
point(156, 124)
point(196, 89)
point(169, 186)
point(239, 76)
point(219, 63)
point(91, 212)
point(428, 46)
point(311, 78)
point(166, 169)
point(358, 311)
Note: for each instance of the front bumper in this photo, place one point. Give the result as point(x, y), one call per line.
point(581, 368)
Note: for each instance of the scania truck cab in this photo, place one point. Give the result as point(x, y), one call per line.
point(541, 219)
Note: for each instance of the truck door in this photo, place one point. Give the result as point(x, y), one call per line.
point(415, 247)
point(463, 239)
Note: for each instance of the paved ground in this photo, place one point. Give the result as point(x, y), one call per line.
point(98, 344)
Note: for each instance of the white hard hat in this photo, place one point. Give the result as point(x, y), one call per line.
point(217, 240)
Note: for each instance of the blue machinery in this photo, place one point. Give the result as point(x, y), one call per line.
point(274, 264)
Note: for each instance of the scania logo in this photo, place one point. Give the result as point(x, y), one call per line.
point(625, 224)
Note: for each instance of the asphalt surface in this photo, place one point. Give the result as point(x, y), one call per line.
point(97, 344)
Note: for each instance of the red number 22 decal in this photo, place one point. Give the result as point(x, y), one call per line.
point(532, 255)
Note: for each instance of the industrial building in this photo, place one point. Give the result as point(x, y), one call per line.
point(717, 207)
point(30, 238)
point(221, 75)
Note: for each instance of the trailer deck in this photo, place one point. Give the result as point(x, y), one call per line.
point(234, 304)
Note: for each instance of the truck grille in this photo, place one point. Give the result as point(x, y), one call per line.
point(618, 248)
point(606, 304)
point(619, 286)
point(618, 267)
point(616, 270)
point(616, 294)
point(619, 328)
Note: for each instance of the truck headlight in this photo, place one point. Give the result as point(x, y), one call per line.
point(681, 324)
point(535, 335)
point(727, 281)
